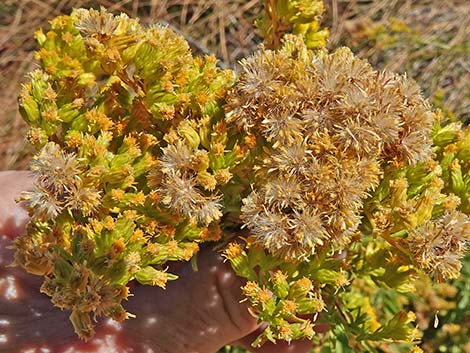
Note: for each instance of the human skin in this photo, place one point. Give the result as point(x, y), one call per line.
point(198, 313)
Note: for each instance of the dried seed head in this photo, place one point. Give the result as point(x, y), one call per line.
point(326, 121)
point(438, 246)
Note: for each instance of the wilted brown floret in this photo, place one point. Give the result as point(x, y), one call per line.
point(180, 193)
point(102, 24)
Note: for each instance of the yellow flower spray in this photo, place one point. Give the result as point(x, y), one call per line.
point(344, 178)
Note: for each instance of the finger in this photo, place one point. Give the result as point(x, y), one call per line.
point(229, 287)
point(213, 272)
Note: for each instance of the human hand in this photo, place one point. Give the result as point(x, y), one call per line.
point(199, 313)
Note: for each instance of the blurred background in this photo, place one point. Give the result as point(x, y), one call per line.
point(427, 39)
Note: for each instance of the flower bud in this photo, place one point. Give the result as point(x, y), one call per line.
point(280, 285)
point(288, 308)
point(40, 37)
point(206, 180)
point(447, 134)
point(239, 261)
point(309, 305)
point(151, 276)
point(68, 112)
point(82, 324)
point(300, 288)
point(29, 109)
point(190, 135)
point(398, 192)
point(458, 185)
point(200, 161)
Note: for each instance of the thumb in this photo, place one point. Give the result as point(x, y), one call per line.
point(13, 215)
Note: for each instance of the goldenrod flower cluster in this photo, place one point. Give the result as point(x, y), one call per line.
point(129, 131)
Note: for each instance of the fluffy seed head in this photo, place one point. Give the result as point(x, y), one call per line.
point(327, 121)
